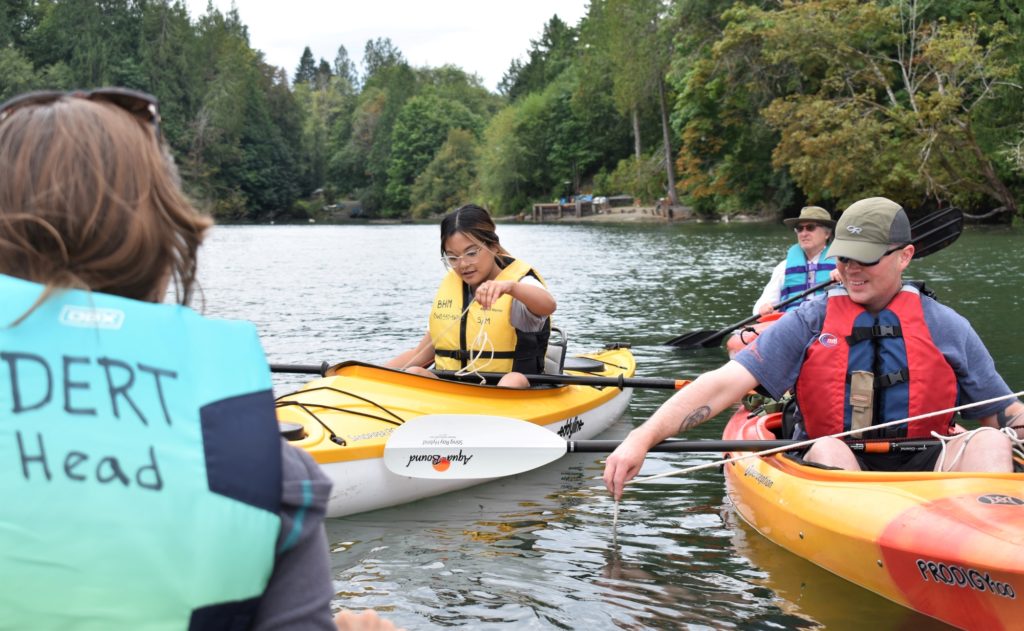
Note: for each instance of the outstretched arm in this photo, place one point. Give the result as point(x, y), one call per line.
point(538, 300)
point(708, 395)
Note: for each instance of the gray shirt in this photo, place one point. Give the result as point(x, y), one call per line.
point(522, 318)
point(300, 590)
point(777, 355)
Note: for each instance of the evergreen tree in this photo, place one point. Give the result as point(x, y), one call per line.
point(549, 56)
point(305, 72)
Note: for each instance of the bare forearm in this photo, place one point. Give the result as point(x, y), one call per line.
point(692, 406)
point(421, 355)
point(537, 299)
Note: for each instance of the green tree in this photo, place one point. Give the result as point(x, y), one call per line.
point(380, 54)
point(724, 158)
point(240, 156)
point(635, 40)
point(18, 18)
point(447, 181)
point(390, 82)
point(305, 72)
point(16, 73)
point(97, 40)
point(548, 57)
point(898, 91)
point(419, 131)
point(345, 68)
point(513, 167)
point(167, 62)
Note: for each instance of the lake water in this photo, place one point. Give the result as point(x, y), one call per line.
point(538, 551)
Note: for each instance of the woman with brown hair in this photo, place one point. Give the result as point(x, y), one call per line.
point(491, 312)
point(146, 484)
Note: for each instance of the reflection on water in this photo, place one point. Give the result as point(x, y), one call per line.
point(804, 588)
point(538, 550)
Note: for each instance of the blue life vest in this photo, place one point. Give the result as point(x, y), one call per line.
point(801, 275)
point(141, 465)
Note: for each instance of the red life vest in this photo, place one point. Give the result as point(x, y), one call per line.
point(911, 376)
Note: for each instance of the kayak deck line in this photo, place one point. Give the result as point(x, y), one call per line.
point(344, 419)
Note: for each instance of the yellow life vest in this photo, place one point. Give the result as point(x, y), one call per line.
point(458, 336)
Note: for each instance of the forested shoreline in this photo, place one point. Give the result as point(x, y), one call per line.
point(725, 107)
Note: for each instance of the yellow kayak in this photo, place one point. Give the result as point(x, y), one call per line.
point(344, 419)
point(949, 545)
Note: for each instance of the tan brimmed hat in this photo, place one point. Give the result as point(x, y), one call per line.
point(817, 214)
point(868, 227)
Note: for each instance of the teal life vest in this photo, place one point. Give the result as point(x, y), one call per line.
point(801, 275)
point(141, 465)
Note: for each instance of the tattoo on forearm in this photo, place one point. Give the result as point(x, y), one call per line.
point(1006, 420)
point(695, 418)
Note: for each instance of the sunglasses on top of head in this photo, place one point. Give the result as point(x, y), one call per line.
point(845, 260)
point(139, 104)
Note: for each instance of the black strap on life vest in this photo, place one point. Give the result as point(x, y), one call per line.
point(900, 376)
point(465, 356)
point(861, 333)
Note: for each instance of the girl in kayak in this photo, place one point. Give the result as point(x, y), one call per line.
point(491, 312)
point(147, 484)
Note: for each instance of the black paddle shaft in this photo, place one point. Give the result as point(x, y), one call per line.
point(698, 446)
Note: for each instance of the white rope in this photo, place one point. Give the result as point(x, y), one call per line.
point(807, 443)
point(966, 437)
point(1016, 441)
point(482, 342)
point(433, 340)
point(945, 441)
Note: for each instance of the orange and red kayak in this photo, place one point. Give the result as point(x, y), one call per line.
point(949, 545)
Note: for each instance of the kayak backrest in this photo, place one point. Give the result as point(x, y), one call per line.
point(554, 358)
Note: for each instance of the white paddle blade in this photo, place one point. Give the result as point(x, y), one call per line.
point(469, 446)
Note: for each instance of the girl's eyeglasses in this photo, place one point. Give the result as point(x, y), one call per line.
point(138, 104)
point(470, 256)
point(846, 260)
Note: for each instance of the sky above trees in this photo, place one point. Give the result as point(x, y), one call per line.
point(470, 34)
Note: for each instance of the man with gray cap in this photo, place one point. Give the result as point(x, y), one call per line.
point(872, 351)
point(805, 264)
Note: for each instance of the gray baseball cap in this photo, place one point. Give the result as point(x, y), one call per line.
point(867, 228)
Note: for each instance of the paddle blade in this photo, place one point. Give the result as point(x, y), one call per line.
point(697, 339)
point(936, 231)
point(469, 446)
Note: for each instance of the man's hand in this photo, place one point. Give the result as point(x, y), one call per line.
point(623, 465)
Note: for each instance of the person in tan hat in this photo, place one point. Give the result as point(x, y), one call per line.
point(805, 264)
point(875, 351)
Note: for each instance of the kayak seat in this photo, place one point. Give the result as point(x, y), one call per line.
point(554, 357)
point(556, 361)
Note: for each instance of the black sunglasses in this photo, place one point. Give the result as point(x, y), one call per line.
point(845, 259)
point(139, 104)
